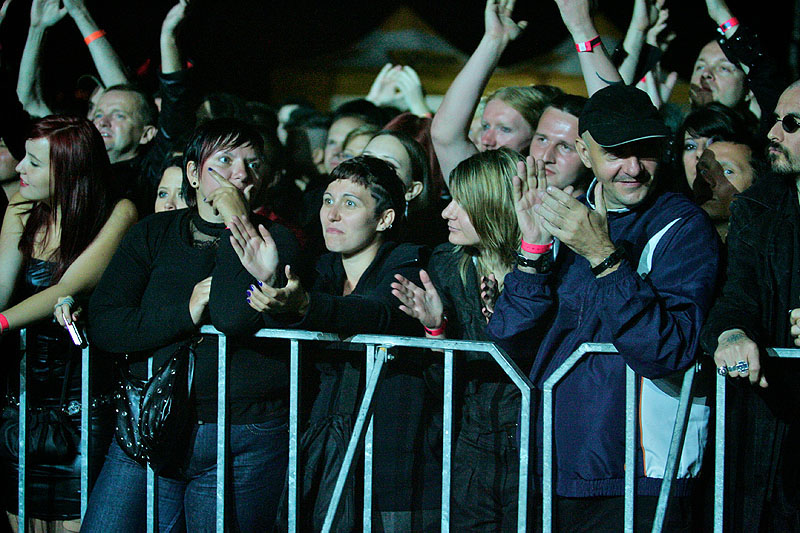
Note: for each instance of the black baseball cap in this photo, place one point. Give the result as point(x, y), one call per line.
point(619, 114)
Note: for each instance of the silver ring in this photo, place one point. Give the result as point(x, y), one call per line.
point(742, 367)
point(722, 371)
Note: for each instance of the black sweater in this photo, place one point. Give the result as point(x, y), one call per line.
point(141, 308)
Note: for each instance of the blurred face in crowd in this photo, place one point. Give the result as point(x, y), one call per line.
point(168, 195)
point(240, 166)
point(502, 125)
point(284, 113)
point(462, 232)
point(347, 215)
point(7, 163)
point(120, 122)
point(723, 170)
point(389, 149)
point(783, 150)
point(34, 171)
point(336, 136)
point(626, 171)
point(692, 148)
point(554, 143)
point(716, 79)
point(355, 146)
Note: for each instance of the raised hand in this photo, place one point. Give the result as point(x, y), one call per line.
point(174, 17)
point(256, 249)
point(291, 299)
point(530, 184)
point(410, 87)
point(383, 89)
point(498, 21)
point(577, 19)
point(584, 230)
point(490, 291)
point(424, 304)
point(718, 10)
point(199, 299)
point(227, 200)
point(4, 10)
point(45, 13)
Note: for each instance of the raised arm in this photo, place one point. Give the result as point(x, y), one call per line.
point(598, 70)
point(450, 127)
point(44, 13)
point(82, 275)
point(170, 55)
point(108, 64)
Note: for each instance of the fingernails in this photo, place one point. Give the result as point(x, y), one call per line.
point(260, 284)
point(252, 288)
point(249, 294)
point(248, 300)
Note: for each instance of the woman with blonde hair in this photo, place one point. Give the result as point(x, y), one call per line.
point(464, 278)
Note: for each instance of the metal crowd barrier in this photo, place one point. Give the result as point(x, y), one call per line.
point(676, 443)
point(719, 449)
point(377, 352)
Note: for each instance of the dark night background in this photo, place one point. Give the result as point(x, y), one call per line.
point(235, 44)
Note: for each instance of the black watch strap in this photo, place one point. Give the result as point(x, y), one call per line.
point(543, 264)
point(615, 257)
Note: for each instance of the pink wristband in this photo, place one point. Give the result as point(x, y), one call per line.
point(92, 37)
point(535, 248)
point(433, 332)
point(589, 45)
point(3, 323)
point(728, 24)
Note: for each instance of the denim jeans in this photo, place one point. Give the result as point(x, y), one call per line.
point(258, 458)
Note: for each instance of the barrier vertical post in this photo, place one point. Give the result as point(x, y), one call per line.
point(23, 428)
point(294, 428)
point(222, 428)
point(719, 457)
point(152, 489)
point(630, 443)
point(367, 511)
point(86, 412)
point(447, 432)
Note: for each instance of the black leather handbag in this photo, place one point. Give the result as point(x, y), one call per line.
point(153, 416)
point(52, 437)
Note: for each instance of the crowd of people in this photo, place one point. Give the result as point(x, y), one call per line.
point(527, 216)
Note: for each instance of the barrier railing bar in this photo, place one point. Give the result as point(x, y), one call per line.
point(630, 445)
point(675, 447)
point(524, 447)
point(447, 430)
point(152, 490)
point(719, 455)
point(367, 510)
point(294, 429)
point(783, 353)
point(358, 430)
point(86, 408)
point(222, 428)
point(23, 429)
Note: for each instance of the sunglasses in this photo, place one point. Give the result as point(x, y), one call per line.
point(789, 123)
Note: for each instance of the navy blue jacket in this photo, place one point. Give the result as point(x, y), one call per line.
point(653, 319)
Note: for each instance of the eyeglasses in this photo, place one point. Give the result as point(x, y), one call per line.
point(789, 123)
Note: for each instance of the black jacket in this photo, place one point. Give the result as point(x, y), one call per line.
point(763, 284)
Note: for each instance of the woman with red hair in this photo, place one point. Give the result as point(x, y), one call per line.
point(58, 233)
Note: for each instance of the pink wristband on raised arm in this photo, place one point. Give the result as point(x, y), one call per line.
point(535, 248)
point(728, 24)
point(438, 331)
point(589, 45)
point(3, 323)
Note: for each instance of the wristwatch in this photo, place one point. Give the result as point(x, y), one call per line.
point(615, 257)
point(543, 264)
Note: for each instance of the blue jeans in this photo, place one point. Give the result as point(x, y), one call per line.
point(258, 458)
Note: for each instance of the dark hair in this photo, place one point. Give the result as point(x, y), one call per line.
point(714, 121)
point(361, 109)
point(381, 180)
point(419, 128)
point(212, 136)
point(571, 104)
point(81, 180)
point(146, 108)
point(221, 105)
point(420, 168)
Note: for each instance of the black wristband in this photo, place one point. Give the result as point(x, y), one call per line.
point(615, 257)
point(543, 264)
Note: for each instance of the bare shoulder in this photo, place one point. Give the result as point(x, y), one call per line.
point(124, 213)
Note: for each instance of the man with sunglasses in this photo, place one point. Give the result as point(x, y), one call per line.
point(758, 308)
